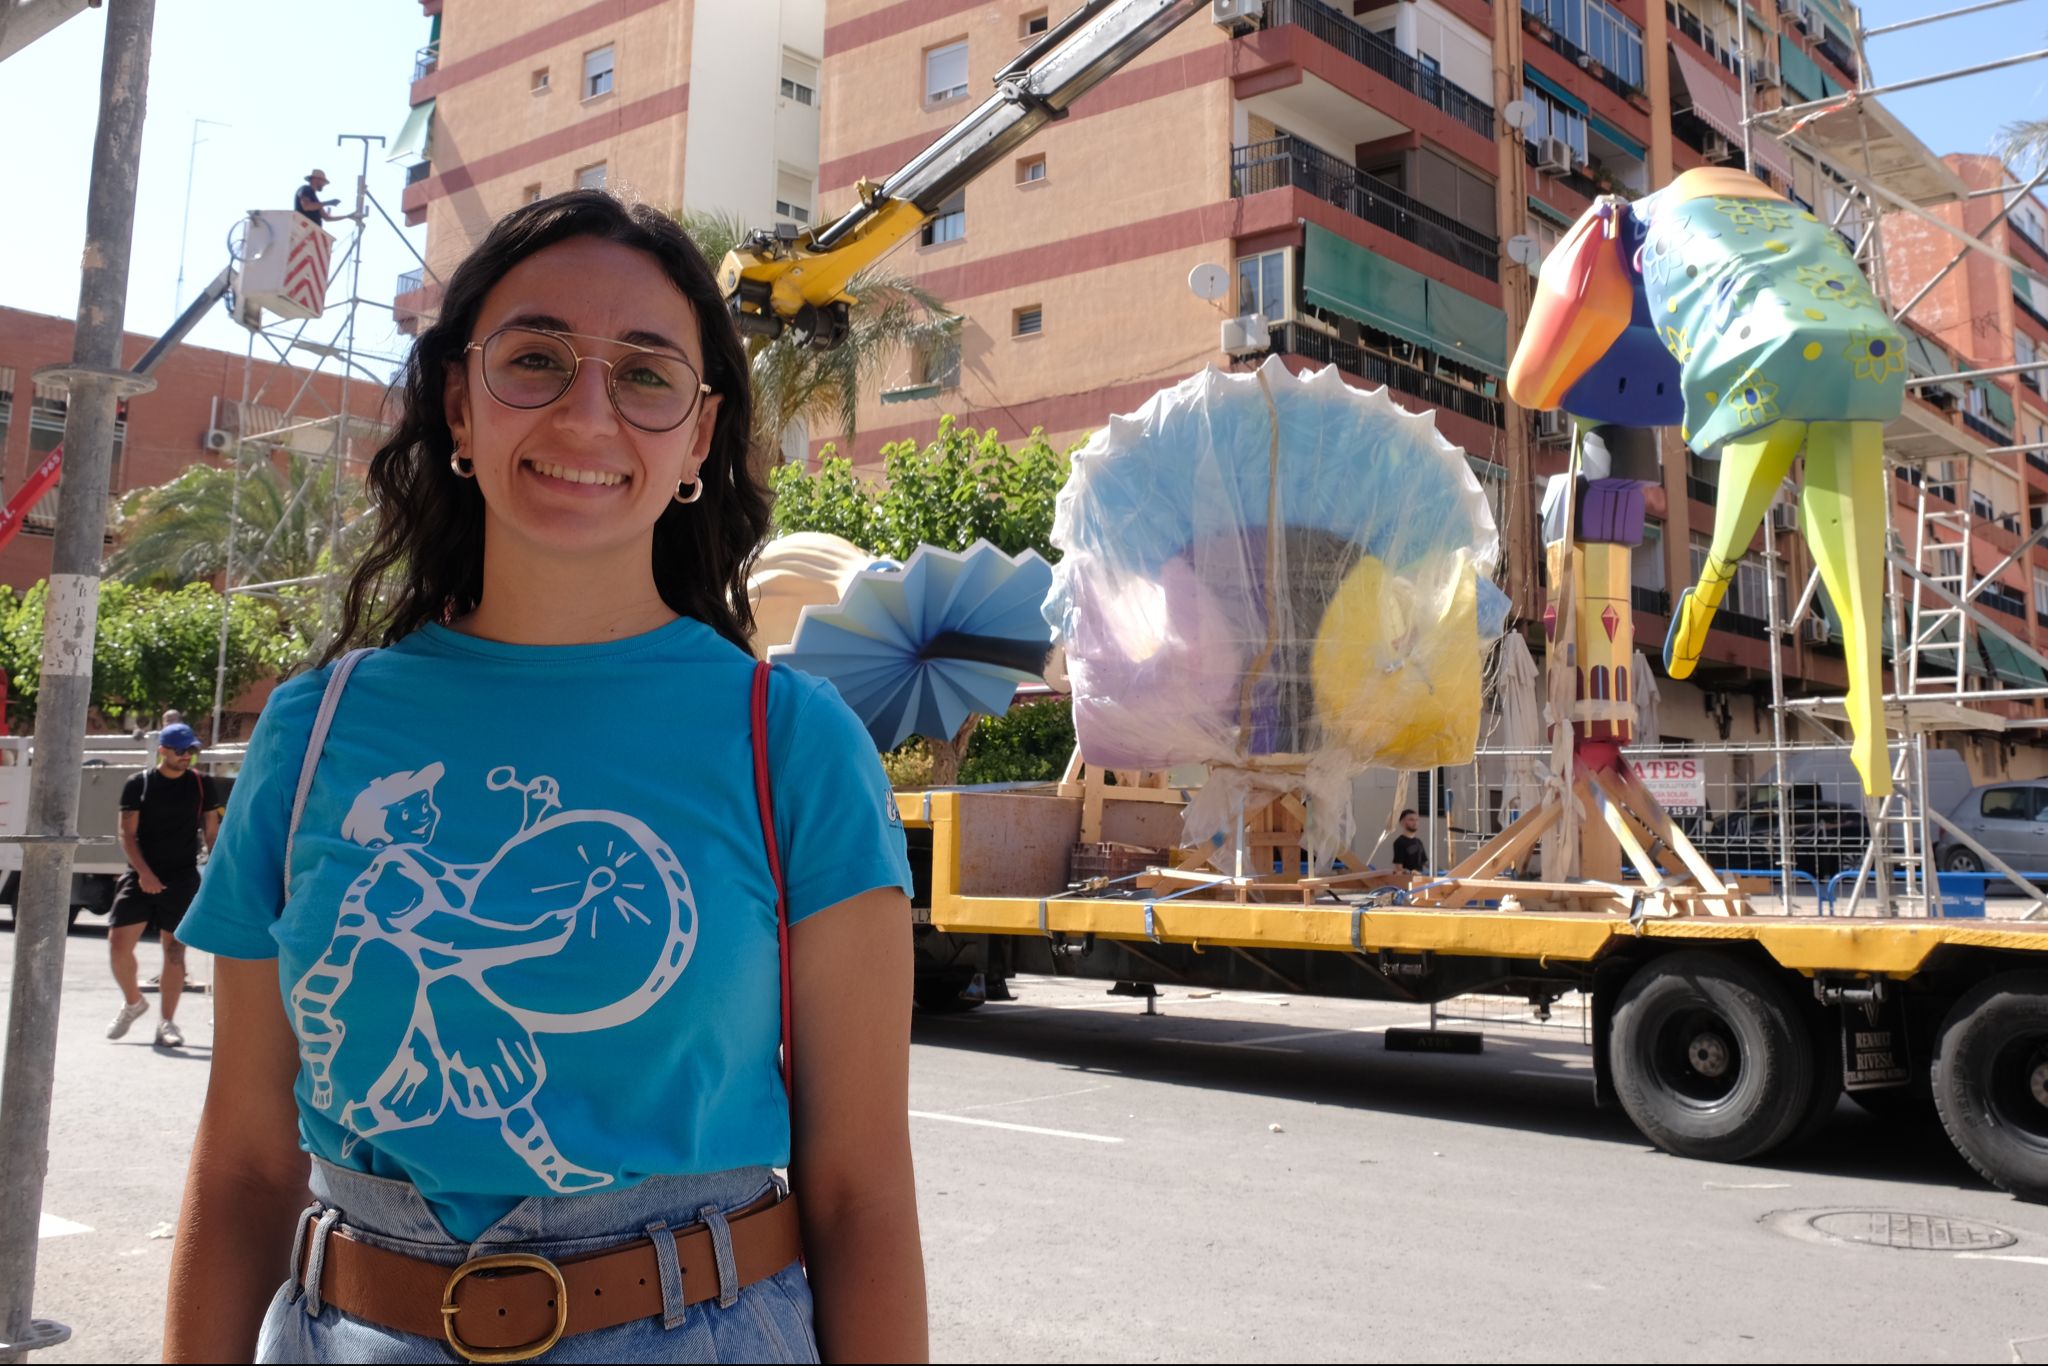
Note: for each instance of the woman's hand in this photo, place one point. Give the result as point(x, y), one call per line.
point(247, 1182)
point(850, 969)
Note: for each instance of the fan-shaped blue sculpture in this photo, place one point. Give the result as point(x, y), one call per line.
point(918, 650)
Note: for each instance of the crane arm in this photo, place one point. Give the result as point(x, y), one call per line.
point(799, 279)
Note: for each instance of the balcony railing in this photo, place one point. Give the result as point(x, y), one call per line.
point(1742, 624)
point(409, 282)
point(2038, 461)
point(1286, 161)
point(1984, 429)
point(1655, 601)
point(1292, 339)
point(1369, 49)
point(418, 171)
point(1577, 182)
point(425, 60)
point(1700, 491)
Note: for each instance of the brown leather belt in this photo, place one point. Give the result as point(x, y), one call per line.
point(514, 1306)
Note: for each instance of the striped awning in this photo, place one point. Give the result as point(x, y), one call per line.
point(1719, 105)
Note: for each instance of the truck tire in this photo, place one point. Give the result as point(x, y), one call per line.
point(1991, 1081)
point(940, 994)
point(1712, 1058)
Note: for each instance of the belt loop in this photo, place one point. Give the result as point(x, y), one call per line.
point(316, 1260)
point(721, 1244)
point(291, 1274)
point(672, 1306)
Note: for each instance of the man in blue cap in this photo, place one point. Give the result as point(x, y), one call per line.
point(165, 811)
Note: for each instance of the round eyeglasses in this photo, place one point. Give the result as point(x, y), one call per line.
point(524, 367)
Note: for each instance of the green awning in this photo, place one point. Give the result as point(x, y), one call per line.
point(1340, 275)
point(434, 33)
point(1543, 210)
point(413, 139)
point(1997, 403)
point(2008, 664)
point(1618, 138)
point(1554, 90)
point(1800, 72)
point(1829, 84)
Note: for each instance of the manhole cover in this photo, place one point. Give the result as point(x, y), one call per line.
point(1911, 1232)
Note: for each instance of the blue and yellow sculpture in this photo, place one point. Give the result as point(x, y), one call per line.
point(1719, 305)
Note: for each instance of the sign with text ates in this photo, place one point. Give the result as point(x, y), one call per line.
point(1677, 784)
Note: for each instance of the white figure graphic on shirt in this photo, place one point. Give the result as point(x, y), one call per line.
point(483, 943)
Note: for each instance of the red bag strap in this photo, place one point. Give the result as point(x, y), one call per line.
point(764, 798)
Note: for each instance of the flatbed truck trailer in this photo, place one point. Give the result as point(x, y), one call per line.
point(1723, 1037)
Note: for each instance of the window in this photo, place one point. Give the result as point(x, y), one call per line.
point(1262, 286)
point(2009, 804)
point(1028, 322)
point(799, 80)
point(1980, 506)
point(591, 177)
point(1948, 563)
point(538, 81)
point(2027, 219)
point(1031, 170)
point(949, 224)
point(6, 403)
point(938, 363)
point(945, 72)
point(792, 197)
point(2024, 352)
point(530, 195)
point(1034, 24)
point(597, 72)
point(45, 434)
point(1553, 120)
point(2041, 591)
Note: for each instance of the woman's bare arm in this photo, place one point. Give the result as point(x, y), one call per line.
point(851, 968)
point(247, 1183)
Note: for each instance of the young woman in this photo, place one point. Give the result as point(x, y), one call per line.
point(494, 905)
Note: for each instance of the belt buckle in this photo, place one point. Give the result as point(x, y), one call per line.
point(504, 1261)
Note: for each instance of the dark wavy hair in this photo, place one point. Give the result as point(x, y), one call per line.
point(426, 560)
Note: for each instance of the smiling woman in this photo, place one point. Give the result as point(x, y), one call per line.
point(517, 977)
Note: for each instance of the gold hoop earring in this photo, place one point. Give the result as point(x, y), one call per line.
point(464, 467)
point(696, 492)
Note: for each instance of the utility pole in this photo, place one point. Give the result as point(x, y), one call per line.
point(96, 384)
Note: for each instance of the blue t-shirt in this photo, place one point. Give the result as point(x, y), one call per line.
point(530, 943)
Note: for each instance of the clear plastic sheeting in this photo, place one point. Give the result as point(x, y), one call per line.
point(1281, 577)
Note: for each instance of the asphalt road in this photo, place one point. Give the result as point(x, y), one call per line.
point(1241, 1177)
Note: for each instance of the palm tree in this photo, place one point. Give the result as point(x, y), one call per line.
point(178, 533)
point(793, 382)
point(2024, 143)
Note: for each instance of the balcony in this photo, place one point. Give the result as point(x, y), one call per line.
point(1370, 50)
point(1700, 491)
point(1655, 601)
point(1292, 339)
point(2038, 460)
point(1742, 624)
point(425, 61)
point(418, 171)
point(1576, 181)
point(410, 281)
point(1984, 429)
point(1289, 162)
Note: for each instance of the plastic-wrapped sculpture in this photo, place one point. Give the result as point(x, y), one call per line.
point(1281, 577)
point(1719, 305)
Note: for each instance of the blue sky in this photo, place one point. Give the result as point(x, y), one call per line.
point(287, 76)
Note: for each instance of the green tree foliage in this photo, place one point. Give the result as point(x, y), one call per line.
point(177, 533)
point(1031, 744)
point(155, 648)
point(962, 487)
point(792, 382)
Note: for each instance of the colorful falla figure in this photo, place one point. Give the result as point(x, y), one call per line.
point(1718, 304)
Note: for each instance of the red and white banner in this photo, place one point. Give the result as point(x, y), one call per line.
point(305, 268)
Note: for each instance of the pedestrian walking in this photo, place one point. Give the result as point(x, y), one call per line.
point(165, 813)
point(562, 991)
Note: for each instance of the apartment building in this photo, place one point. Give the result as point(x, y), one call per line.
point(512, 100)
point(191, 416)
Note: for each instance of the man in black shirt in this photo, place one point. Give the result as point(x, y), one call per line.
point(309, 202)
point(1410, 856)
point(164, 813)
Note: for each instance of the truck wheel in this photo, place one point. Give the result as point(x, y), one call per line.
point(1991, 1081)
point(940, 995)
point(1712, 1058)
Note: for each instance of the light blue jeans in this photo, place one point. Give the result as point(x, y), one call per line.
point(769, 1320)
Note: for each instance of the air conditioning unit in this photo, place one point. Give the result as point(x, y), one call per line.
point(1247, 335)
point(1554, 156)
point(1763, 72)
point(1237, 16)
point(1784, 517)
point(1716, 149)
point(1789, 6)
point(1816, 629)
point(217, 440)
point(1585, 61)
point(1554, 425)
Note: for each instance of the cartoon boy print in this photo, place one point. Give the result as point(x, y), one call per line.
point(465, 933)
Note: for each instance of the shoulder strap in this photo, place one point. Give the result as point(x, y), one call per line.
point(764, 798)
point(323, 720)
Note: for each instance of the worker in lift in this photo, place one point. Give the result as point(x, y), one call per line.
point(312, 205)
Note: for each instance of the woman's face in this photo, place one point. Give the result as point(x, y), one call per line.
point(574, 477)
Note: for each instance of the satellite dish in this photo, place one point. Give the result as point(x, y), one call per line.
point(1517, 113)
point(1523, 251)
point(1209, 282)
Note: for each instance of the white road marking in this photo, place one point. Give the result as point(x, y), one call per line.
point(2000, 1257)
point(1014, 1128)
point(50, 1226)
point(1264, 1039)
point(1031, 1100)
point(1552, 1076)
